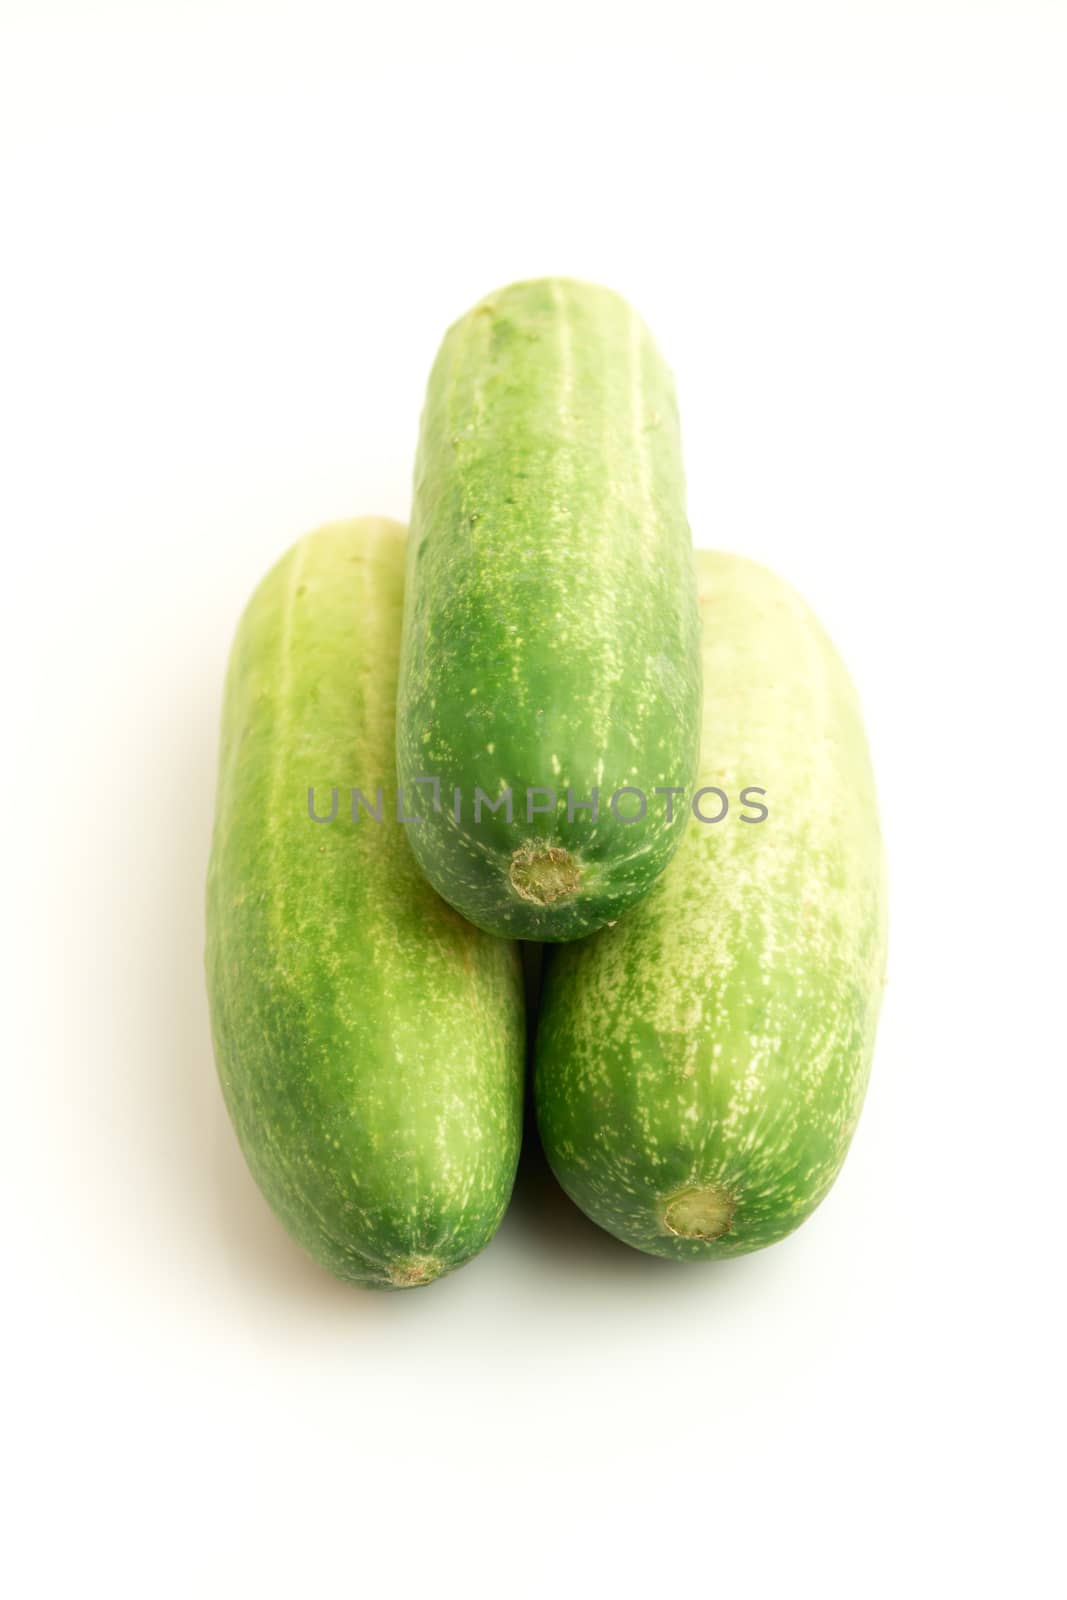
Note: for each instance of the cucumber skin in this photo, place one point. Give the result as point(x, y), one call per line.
point(551, 635)
point(722, 1034)
point(369, 1043)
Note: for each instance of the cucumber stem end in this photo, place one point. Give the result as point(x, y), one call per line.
point(410, 1271)
point(544, 873)
point(699, 1213)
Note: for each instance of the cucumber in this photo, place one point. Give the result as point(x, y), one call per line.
point(700, 1067)
point(551, 636)
point(369, 1042)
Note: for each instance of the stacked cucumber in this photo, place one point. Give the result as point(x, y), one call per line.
point(497, 734)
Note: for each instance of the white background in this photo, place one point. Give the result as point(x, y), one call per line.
point(233, 235)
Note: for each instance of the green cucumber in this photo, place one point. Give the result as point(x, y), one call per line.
point(701, 1067)
point(551, 637)
point(369, 1042)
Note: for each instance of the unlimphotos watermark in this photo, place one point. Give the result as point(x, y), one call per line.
point(624, 806)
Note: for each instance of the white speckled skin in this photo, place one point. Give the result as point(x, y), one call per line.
point(719, 1038)
point(369, 1041)
point(551, 636)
